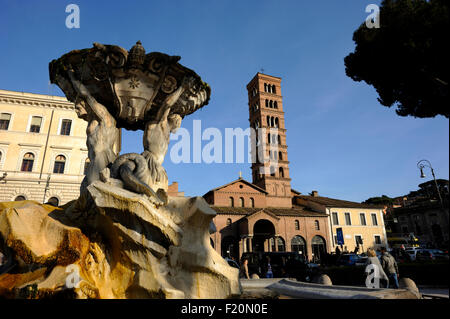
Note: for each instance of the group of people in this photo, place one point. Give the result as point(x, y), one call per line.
point(266, 268)
point(387, 267)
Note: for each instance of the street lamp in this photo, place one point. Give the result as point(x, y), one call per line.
point(425, 163)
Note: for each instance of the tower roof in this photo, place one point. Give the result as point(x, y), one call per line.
point(263, 75)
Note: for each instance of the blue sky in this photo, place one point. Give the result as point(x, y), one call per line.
point(341, 141)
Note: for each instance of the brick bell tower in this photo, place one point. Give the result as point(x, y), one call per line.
point(267, 119)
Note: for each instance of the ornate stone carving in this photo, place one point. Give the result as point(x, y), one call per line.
point(114, 89)
point(130, 240)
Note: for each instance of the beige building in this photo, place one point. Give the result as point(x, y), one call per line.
point(361, 223)
point(43, 153)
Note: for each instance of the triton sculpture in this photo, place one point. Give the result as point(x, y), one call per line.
point(112, 89)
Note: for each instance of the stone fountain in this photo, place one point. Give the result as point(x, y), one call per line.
point(124, 237)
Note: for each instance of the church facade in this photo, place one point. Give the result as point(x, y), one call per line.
point(261, 216)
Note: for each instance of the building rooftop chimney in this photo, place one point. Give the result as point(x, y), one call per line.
point(315, 194)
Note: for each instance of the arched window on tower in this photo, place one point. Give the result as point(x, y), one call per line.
point(241, 200)
point(280, 156)
point(274, 90)
point(279, 139)
point(281, 171)
point(267, 103)
point(277, 122)
point(231, 199)
point(272, 171)
point(252, 202)
point(271, 104)
point(275, 104)
point(265, 87)
point(268, 120)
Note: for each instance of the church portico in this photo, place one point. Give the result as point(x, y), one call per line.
point(269, 230)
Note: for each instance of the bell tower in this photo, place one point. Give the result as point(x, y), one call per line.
point(270, 168)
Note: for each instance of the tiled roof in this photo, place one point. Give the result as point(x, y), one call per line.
point(297, 211)
point(331, 202)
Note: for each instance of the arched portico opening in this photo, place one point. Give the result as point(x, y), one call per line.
point(263, 230)
point(298, 244)
point(319, 249)
point(230, 247)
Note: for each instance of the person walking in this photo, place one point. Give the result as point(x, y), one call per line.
point(372, 259)
point(338, 251)
point(243, 270)
point(269, 273)
point(390, 267)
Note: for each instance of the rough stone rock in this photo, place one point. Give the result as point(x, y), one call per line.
point(407, 283)
point(38, 239)
point(117, 244)
point(323, 280)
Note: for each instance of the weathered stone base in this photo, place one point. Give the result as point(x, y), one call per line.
point(286, 288)
point(119, 243)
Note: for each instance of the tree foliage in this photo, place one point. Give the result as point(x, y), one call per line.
point(407, 58)
point(383, 200)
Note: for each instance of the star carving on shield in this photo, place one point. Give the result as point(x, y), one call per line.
point(134, 82)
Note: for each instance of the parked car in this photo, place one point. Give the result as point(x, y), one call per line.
point(348, 260)
point(361, 261)
point(430, 254)
point(400, 255)
point(284, 265)
point(440, 254)
point(412, 251)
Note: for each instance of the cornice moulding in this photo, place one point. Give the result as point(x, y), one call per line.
point(30, 145)
point(31, 99)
